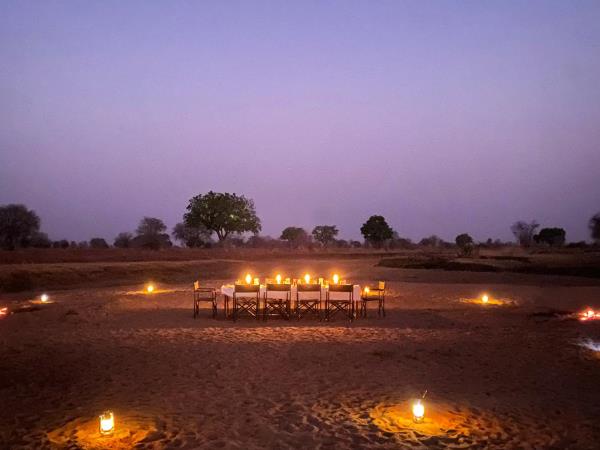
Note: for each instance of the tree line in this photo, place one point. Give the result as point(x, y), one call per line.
point(231, 217)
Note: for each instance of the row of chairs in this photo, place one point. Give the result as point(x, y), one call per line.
point(247, 301)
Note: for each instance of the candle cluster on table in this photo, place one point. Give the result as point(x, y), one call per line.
point(279, 279)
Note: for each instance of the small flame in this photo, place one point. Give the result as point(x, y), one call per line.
point(485, 298)
point(278, 279)
point(150, 288)
point(336, 278)
point(248, 278)
point(367, 290)
point(307, 278)
point(107, 422)
point(3, 312)
point(44, 298)
point(418, 410)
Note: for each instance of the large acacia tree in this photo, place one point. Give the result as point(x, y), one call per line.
point(222, 213)
point(376, 230)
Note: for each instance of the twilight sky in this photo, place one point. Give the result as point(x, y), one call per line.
point(445, 117)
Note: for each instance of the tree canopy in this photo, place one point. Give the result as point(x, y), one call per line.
point(18, 226)
point(376, 230)
point(295, 236)
point(524, 232)
point(222, 213)
point(151, 226)
point(465, 243)
point(325, 234)
point(554, 237)
point(192, 236)
point(594, 226)
point(151, 234)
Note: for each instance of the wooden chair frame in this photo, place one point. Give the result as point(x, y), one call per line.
point(308, 306)
point(332, 307)
point(277, 306)
point(204, 294)
point(244, 304)
point(376, 294)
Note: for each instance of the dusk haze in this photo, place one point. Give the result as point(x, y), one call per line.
point(442, 116)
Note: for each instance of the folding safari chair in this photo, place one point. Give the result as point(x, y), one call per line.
point(311, 301)
point(274, 305)
point(345, 305)
point(373, 294)
point(204, 294)
point(246, 300)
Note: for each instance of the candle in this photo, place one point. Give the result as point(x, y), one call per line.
point(107, 423)
point(336, 278)
point(150, 288)
point(248, 278)
point(44, 298)
point(278, 279)
point(418, 410)
point(307, 278)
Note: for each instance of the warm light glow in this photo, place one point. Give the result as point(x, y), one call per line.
point(278, 279)
point(367, 290)
point(307, 278)
point(418, 410)
point(44, 298)
point(336, 278)
point(590, 313)
point(485, 298)
point(256, 281)
point(3, 312)
point(107, 423)
point(150, 288)
point(248, 278)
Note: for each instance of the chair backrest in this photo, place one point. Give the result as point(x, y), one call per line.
point(310, 287)
point(381, 285)
point(341, 288)
point(279, 287)
point(196, 285)
point(247, 288)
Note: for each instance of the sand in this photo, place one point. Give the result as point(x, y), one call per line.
point(497, 377)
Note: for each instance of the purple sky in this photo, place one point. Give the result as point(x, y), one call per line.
point(445, 117)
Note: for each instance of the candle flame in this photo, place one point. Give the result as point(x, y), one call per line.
point(107, 422)
point(336, 278)
point(418, 410)
point(278, 279)
point(307, 278)
point(485, 298)
point(150, 288)
point(248, 278)
point(44, 298)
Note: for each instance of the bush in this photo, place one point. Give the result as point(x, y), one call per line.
point(98, 243)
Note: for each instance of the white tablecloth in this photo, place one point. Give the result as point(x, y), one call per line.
point(227, 289)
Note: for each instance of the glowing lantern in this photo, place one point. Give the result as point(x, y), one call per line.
point(44, 298)
point(367, 290)
point(321, 281)
point(150, 288)
point(256, 281)
point(3, 312)
point(485, 298)
point(590, 313)
point(107, 423)
point(336, 278)
point(278, 279)
point(307, 278)
point(418, 410)
point(248, 278)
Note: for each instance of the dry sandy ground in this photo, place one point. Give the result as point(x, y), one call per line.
point(497, 376)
